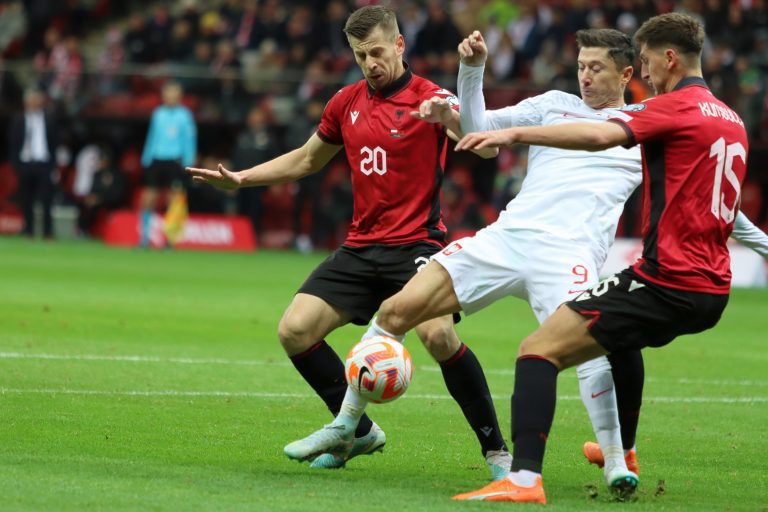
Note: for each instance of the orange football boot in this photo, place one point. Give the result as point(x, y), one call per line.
point(506, 490)
point(594, 455)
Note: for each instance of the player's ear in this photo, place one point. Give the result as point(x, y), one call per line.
point(400, 44)
point(672, 57)
point(626, 75)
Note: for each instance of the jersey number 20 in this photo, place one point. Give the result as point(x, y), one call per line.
point(374, 160)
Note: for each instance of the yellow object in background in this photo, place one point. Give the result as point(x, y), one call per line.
point(176, 215)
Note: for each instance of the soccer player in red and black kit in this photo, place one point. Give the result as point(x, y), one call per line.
point(397, 163)
point(694, 151)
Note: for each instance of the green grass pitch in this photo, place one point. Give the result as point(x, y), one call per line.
point(133, 380)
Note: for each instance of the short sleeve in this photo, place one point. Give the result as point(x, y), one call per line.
point(445, 94)
point(330, 125)
point(647, 121)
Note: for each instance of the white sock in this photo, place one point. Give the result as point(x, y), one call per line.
point(523, 477)
point(352, 409)
point(599, 397)
point(375, 330)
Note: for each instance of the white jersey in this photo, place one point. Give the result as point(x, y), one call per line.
point(576, 195)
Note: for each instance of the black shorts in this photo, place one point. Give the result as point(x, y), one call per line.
point(630, 312)
point(358, 279)
point(163, 173)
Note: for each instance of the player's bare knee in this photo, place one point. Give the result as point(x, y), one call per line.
point(536, 346)
point(440, 341)
point(391, 316)
point(293, 336)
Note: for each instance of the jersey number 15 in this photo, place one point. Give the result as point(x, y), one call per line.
point(725, 156)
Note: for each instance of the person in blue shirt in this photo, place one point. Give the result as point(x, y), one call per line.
point(171, 145)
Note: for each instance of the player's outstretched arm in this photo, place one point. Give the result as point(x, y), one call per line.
point(749, 235)
point(438, 110)
point(291, 166)
point(586, 136)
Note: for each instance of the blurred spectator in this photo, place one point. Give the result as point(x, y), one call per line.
point(738, 33)
point(231, 94)
point(13, 25)
point(751, 94)
point(190, 14)
point(66, 66)
point(32, 140)
point(225, 59)
point(43, 56)
point(273, 22)
point(267, 70)
point(498, 12)
point(307, 226)
point(250, 30)
point(110, 62)
point(460, 207)
point(526, 33)
point(312, 83)
point(298, 30)
point(211, 26)
point(336, 204)
point(437, 39)
point(106, 192)
point(410, 19)
point(158, 32)
point(328, 32)
point(182, 41)
point(556, 30)
point(39, 14)
point(196, 78)
point(136, 41)
point(544, 67)
point(255, 145)
point(87, 164)
point(230, 12)
point(171, 145)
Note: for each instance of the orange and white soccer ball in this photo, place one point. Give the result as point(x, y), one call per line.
point(379, 368)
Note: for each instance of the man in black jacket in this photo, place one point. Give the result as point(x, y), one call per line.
point(32, 145)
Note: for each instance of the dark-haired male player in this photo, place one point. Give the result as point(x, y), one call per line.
point(397, 164)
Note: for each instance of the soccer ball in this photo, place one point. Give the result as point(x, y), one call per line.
point(379, 369)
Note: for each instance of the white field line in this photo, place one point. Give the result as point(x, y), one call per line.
point(265, 362)
point(261, 394)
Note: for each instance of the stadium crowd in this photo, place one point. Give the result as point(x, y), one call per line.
point(256, 74)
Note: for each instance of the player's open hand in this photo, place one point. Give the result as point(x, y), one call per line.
point(472, 50)
point(220, 178)
point(491, 139)
point(434, 110)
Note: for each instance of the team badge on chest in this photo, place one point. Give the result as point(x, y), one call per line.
point(398, 119)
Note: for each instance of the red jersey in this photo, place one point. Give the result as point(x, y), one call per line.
point(397, 161)
point(694, 160)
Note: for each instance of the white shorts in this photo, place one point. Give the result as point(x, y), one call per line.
point(536, 266)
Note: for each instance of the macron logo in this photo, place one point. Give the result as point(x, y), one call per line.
point(354, 115)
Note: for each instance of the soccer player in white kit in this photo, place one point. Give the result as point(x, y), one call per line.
point(549, 243)
point(551, 240)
